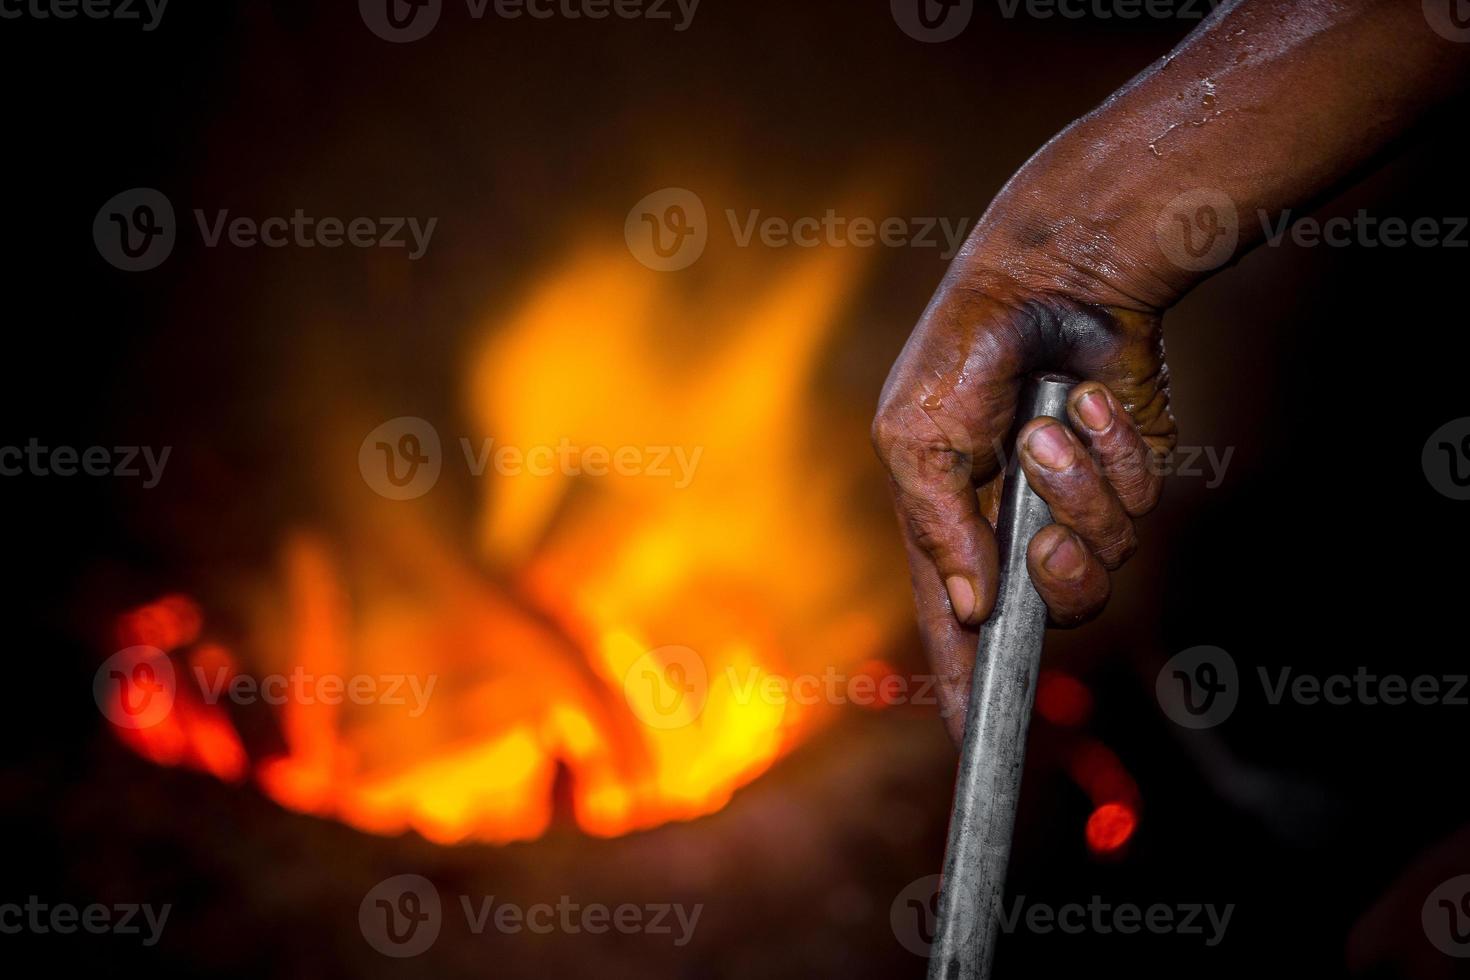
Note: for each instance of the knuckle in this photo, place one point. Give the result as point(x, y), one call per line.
point(1137, 485)
point(1119, 546)
point(1146, 496)
point(921, 457)
point(930, 531)
point(1162, 444)
point(1082, 606)
point(926, 535)
point(885, 433)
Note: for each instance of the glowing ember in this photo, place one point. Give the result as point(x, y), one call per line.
point(1110, 826)
point(1113, 792)
point(1062, 699)
point(616, 625)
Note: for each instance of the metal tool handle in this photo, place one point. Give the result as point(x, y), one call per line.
point(1002, 688)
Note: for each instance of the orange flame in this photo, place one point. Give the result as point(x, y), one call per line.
point(596, 602)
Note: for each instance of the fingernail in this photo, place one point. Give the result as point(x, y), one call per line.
point(961, 597)
point(1050, 447)
point(1066, 560)
point(1095, 411)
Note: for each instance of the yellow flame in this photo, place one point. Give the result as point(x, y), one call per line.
point(723, 532)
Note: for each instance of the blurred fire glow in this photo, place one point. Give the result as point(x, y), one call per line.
point(1062, 699)
point(540, 641)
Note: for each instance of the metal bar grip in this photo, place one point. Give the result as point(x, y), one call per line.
point(1002, 688)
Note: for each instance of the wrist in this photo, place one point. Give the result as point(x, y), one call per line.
point(1087, 218)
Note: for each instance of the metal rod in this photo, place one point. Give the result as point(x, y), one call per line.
point(1002, 688)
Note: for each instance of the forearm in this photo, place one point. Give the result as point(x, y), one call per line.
point(1270, 104)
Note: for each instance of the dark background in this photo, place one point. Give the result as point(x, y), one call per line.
point(1325, 548)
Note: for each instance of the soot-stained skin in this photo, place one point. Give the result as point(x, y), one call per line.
point(1268, 105)
point(943, 426)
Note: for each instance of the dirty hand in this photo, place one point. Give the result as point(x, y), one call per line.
point(1076, 260)
point(942, 429)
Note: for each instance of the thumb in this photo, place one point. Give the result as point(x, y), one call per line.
point(930, 466)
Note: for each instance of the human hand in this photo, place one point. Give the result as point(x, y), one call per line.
point(941, 428)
